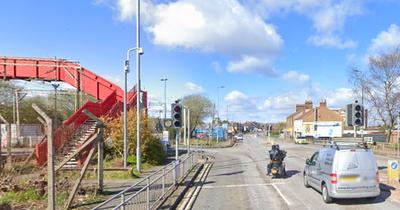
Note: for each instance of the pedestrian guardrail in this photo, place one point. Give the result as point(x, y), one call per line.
point(147, 193)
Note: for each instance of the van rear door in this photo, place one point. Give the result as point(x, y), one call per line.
point(356, 171)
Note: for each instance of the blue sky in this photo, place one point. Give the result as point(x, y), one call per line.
point(269, 55)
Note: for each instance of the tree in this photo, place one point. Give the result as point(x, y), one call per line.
point(279, 127)
point(200, 107)
point(6, 99)
point(152, 149)
point(381, 88)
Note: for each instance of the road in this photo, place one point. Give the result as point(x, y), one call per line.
point(237, 180)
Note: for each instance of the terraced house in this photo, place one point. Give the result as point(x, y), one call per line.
point(317, 122)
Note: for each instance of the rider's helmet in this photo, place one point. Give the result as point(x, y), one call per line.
point(277, 146)
point(274, 147)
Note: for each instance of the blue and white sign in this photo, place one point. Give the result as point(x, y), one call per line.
point(394, 165)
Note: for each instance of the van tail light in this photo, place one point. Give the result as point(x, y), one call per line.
point(377, 176)
point(333, 178)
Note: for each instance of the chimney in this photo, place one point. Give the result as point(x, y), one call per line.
point(299, 107)
point(322, 103)
point(308, 104)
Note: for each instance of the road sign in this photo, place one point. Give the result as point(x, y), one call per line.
point(393, 171)
point(393, 166)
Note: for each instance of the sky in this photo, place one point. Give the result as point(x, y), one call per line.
point(270, 55)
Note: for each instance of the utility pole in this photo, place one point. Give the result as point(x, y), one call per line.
point(55, 105)
point(17, 109)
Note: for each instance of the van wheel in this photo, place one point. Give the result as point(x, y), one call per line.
point(325, 194)
point(305, 181)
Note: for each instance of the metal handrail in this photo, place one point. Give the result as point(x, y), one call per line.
point(175, 164)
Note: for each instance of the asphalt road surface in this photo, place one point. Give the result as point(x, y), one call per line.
point(237, 179)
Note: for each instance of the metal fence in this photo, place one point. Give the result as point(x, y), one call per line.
point(147, 193)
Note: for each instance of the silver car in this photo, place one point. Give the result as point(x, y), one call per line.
point(343, 172)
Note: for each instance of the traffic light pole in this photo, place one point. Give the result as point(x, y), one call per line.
point(355, 131)
point(177, 144)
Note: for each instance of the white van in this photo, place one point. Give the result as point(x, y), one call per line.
point(343, 171)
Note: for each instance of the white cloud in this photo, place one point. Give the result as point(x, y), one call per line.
point(296, 78)
point(385, 39)
point(252, 65)
point(153, 97)
point(328, 17)
point(127, 10)
point(193, 88)
point(339, 97)
point(215, 65)
point(224, 27)
point(241, 100)
point(328, 40)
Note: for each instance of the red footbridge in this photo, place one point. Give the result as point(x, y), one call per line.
point(109, 95)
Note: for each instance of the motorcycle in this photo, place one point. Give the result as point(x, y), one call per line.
point(277, 168)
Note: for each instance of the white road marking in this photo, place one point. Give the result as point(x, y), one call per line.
point(240, 185)
point(280, 193)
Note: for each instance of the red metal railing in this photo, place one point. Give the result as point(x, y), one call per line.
point(72, 73)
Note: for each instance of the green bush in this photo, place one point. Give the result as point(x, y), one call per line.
point(153, 152)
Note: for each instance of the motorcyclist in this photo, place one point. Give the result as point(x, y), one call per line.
point(278, 155)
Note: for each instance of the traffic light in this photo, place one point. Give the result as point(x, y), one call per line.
point(176, 113)
point(358, 114)
point(349, 115)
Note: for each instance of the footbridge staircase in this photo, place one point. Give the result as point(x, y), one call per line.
point(75, 131)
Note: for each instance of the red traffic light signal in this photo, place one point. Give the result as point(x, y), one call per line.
point(177, 115)
point(177, 108)
point(358, 108)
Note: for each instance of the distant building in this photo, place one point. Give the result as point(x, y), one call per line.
point(315, 122)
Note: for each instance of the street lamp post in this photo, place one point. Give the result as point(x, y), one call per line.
point(362, 99)
point(55, 105)
point(218, 111)
point(227, 116)
point(165, 96)
point(139, 52)
point(189, 131)
point(398, 130)
point(184, 127)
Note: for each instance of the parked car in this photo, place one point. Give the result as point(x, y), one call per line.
point(239, 136)
point(343, 171)
point(300, 140)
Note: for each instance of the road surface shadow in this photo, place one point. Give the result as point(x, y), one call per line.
point(382, 167)
point(229, 174)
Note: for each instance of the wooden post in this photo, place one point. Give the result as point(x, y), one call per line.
point(50, 159)
point(100, 125)
point(100, 150)
point(95, 146)
point(8, 165)
point(99, 137)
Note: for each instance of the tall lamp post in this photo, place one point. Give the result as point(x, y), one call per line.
point(55, 85)
point(227, 116)
point(165, 96)
point(139, 52)
point(362, 99)
point(218, 111)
